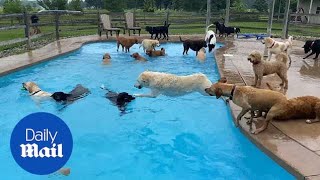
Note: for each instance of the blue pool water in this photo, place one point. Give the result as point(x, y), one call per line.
point(188, 137)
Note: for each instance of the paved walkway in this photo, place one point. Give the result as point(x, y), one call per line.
point(293, 144)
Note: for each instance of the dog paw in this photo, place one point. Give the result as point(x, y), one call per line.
point(308, 121)
point(304, 58)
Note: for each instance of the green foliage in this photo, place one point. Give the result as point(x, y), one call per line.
point(75, 5)
point(94, 3)
point(238, 6)
point(149, 5)
point(12, 6)
point(53, 4)
point(261, 5)
point(114, 5)
point(177, 4)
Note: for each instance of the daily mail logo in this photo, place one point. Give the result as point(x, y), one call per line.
point(41, 143)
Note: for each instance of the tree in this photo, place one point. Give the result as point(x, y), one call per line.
point(12, 6)
point(261, 5)
point(114, 5)
point(53, 4)
point(94, 3)
point(149, 5)
point(75, 5)
point(177, 4)
point(238, 5)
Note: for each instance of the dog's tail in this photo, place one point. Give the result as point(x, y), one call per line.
point(181, 39)
point(283, 57)
point(207, 29)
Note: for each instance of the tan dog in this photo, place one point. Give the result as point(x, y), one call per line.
point(138, 57)
point(149, 44)
point(262, 68)
point(202, 54)
point(34, 90)
point(247, 97)
point(276, 47)
point(153, 53)
point(106, 58)
point(305, 107)
point(126, 43)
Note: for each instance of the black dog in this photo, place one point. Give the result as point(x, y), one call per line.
point(195, 45)
point(219, 28)
point(158, 31)
point(226, 30)
point(119, 99)
point(78, 92)
point(314, 46)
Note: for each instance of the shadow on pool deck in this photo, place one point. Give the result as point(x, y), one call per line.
point(293, 144)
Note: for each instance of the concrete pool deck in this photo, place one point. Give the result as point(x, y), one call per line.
point(294, 144)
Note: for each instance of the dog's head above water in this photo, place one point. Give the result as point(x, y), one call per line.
point(60, 96)
point(215, 89)
point(255, 57)
point(124, 98)
point(30, 86)
point(143, 80)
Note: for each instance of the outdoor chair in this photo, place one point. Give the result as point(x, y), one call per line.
point(105, 25)
point(130, 23)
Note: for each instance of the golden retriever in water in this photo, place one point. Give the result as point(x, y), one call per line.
point(172, 85)
point(149, 44)
point(262, 68)
point(106, 58)
point(154, 53)
point(276, 47)
point(202, 54)
point(126, 43)
point(34, 90)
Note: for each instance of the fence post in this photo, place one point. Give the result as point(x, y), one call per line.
point(57, 25)
point(226, 20)
point(99, 29)
point(167, 15)
point(286, 20)
point(26, 30)
point(208, 13)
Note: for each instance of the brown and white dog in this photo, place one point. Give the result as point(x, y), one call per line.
point(106, 58)
point(126, 43)
point(154, 53)
point(34, 90)
point(149, 44)
point(276, 47)
point(247, 97)
point(262, 68)
point(138, 57)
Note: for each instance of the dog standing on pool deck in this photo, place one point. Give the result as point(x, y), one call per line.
point(210, 38)
point(172, 85)
point(276, 47)
point(35, 90)
point(314, 46)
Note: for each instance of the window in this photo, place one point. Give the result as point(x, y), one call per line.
point(318, 10)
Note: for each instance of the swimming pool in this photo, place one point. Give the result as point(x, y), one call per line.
point(188, 137)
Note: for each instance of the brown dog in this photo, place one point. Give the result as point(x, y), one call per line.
point(247, 97)
point(262, 68)
point(137, 56)
point(106, 58)
point(153, 53)
point(126, 42)
point(305, 107)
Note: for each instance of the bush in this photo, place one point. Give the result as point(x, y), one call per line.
point(12, 6)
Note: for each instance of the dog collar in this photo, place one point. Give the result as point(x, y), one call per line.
point(35, 92)
point(232, 91)
point(272, 44)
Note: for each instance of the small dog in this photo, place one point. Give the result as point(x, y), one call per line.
point(314, 46)
point(78, 92)
point(276, 47)
point(121, 100)
point(262, 68)
point(195, 45)
point(159, 30)
point(202, 54)
point(155, 53)
point(172, 85)
point(247, 97)
point(210, 38)
point(35, 90)
point(126, 43)
point(106, 58)
point(149, 44)
point(137, 56)
point(305, 107)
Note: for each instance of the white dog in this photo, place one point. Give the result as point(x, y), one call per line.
point(276, 47)
point(34, 90)
point(172, 85)
point(210, 38)
point(149, 44)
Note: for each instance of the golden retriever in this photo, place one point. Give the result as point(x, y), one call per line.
point(149, 44)
point(172, 85)
point(154, 53)
point(106, 58)
point(247, 97)
point(262, 68)
point(276, 47)
point(34, 90)
point(202, 54)
point(138, 57)
point(126, 43)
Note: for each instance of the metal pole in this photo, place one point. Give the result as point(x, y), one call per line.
point(226, 20)
point(271, 12)
point(208, 13)
point(286, 20)
point(310, 8)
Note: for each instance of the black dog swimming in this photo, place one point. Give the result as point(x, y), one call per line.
point(314, 46)
point(226, 30)
point(158, 31)
point(195, 45)
point(121, 100)
point(78, 92)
